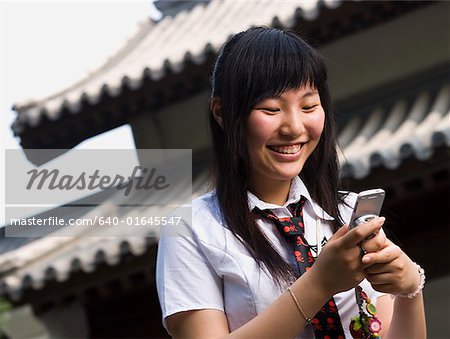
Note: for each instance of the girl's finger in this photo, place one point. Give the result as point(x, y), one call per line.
point(339, 233)
point(384, 256)
point(378, 268)
point(357, 234)
point(381, 278)
point(375, 243)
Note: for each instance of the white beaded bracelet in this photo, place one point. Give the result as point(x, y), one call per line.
point(419, 288)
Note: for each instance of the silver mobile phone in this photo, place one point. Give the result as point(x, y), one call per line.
point(367, 206)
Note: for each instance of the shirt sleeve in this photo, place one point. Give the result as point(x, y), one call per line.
point(185, 279)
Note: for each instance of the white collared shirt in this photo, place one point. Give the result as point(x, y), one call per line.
point(207, 267)
point(312, 215)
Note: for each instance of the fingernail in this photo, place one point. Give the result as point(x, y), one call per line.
point(381, 220)
point(366, 259)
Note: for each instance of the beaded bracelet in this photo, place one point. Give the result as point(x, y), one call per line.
point(308, 320)
point(419, 288)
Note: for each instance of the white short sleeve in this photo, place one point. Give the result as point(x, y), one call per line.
point(184, 277)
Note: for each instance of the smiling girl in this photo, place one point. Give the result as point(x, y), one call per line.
point(268, 253)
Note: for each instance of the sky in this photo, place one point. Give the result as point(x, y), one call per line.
point(46, 46)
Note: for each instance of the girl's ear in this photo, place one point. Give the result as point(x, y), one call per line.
point(215, 105)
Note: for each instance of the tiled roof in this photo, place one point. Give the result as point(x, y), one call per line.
point(411, 126)
point(166, 46)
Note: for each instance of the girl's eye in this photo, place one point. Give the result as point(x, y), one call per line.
point(310, 108)
point(271, 110)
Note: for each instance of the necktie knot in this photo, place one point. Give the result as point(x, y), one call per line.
point(290, 227)
point(296, 208)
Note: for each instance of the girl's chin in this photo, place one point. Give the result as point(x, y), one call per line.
point(286, 176)
point(290, 173)
point(286, 172)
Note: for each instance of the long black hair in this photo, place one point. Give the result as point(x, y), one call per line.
point(253, 65)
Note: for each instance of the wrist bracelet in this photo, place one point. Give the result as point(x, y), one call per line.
point(419, 288)
point(308, 320)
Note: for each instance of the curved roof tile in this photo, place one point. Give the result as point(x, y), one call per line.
point(412, 127)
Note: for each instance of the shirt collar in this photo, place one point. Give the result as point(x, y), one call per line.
point(298, 188)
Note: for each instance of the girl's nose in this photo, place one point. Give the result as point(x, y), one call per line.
point(292, 124)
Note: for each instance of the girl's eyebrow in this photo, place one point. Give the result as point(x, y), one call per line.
point(310, 93)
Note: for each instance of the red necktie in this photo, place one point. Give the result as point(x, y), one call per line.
point(326, 323)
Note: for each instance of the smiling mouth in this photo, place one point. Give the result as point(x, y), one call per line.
point(286, 149)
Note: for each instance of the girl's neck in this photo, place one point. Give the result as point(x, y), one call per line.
point(272, 191)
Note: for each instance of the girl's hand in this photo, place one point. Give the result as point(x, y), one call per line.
point(374, 242)
point(338, 267)
point(390, 270)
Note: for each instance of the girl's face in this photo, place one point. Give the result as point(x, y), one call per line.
point(282, 133)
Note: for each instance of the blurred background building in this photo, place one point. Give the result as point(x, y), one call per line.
point(389, 77)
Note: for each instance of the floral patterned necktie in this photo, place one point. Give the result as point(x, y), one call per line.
point(326, 323)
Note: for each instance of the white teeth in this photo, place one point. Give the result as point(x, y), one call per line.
point(291, 149)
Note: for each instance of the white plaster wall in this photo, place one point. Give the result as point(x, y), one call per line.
point(413, 43)
point(181, 125)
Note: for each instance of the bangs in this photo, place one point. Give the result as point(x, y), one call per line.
point(269, 62)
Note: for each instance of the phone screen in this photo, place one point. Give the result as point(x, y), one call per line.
point(368, 204)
